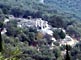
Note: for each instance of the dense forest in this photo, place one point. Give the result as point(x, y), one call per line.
point(27, 43)
point(25, 8)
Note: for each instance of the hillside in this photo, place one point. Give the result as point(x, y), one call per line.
point(69, 6)
point(49, 10)
point(40, 30)
point(39, 8)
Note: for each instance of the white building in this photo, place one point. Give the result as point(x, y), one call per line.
point(38, 23)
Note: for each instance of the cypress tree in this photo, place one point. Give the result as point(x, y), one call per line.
point(67, 57)
point(0, 41)
point(1, 28)
point(62, 34)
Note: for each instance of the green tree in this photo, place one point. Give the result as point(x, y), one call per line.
point(1, 48)
point(1, 12)
point(62, 34)
point(67, 57)
point(57, 52)
point(1, 27)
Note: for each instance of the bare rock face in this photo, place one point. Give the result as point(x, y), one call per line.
point(69, 41)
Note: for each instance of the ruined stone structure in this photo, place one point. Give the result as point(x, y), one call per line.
point(37, 23)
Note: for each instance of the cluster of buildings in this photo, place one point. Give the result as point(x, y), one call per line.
point(41, 26)
point(37, 23)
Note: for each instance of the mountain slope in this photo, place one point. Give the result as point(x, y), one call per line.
point(39, 7)
point(70, 6)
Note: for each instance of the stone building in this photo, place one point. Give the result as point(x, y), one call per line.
point(37, 23)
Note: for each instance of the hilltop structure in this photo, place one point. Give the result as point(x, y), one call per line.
point(37, 23)
point(43, 27)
